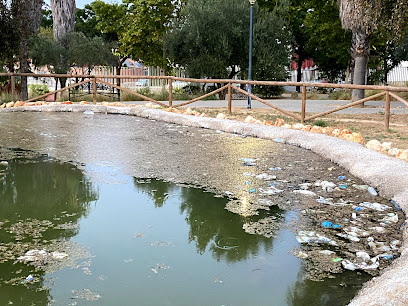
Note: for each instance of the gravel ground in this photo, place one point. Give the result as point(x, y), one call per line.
point(388, 175)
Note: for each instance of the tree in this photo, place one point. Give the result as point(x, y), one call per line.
point(328, 43)
point(362, 18)
point(8, 36)
point(63, 14)
point(140, 26)
point(26, 19)
point(208, 45)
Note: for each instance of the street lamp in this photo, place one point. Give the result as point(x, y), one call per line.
point(251, 2)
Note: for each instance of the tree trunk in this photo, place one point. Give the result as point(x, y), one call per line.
point(299, 72)
point(360, 52)
point(63, 15)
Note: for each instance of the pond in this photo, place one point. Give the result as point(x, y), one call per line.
point(122, 240)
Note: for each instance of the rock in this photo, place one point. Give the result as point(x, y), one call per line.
point(298, 126)
point(86, 103)
point(188, 111)
point(221, 116)
point(19, 104)
point(327, 130)
point(250, 119)
point(336, 133)
point(374, 145)
point(307, 128)
point(9, 104)
point(316, 129)
point(286, 126)
point(3, 105)
point(279, 122)
point(386, 146)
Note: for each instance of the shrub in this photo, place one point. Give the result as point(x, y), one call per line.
point(38, 89)
point(267, 91)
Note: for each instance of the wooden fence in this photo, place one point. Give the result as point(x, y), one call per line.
point(387, 92)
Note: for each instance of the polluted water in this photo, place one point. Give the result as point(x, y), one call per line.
point(78, 235)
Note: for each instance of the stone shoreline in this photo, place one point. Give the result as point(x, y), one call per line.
point(387, 174)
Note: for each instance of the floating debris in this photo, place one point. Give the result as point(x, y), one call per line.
point(85, 294)
point(267, 227)
point(159, 267)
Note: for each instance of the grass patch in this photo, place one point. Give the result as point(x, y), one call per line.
point(341, 94)
point(321, 123)
point(6, 97)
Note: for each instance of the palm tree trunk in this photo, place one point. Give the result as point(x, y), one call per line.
point(63, 15)
point(360, 52)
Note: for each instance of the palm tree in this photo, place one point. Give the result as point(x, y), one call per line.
point(63, 14)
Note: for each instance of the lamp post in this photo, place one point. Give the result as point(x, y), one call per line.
point(251, 13)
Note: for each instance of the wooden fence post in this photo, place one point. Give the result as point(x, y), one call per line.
point(13, 86)
point(94, 90)
point(170, 92)
point(229, 98)
point(303, 115)
point(387, 110)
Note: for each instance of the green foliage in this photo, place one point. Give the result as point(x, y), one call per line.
point(328, 42)
point(45, 51)
point(212, 41)
point(140, 26)
point(9, 36)
point(87, 52)
point(38, 89)
point(268, 91)
point(320, 122)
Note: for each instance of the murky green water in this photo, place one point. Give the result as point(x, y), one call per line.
point(132, 241)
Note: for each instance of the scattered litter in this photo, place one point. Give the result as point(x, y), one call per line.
point(305, 192)
point(248, 160)
point(217, 280)
point(372, 191)
point(386, 256)
point(275, 169)
point(248, 174)
point(159, 267)
point(252, 190)
point(350, 237)
point(328, 224)
point(248, 164)
point(313, 237)
point(3, 163)
point(342, 177)
point(343, 186)
point(244, 135)
point(326, 252)
point(326, 186)
point(89, 113)
point(395, 204)
point(85, 294)
point(360, 187)
point(270, 190)
point(375, 206)
point(265, 176)
point(337, 259)
point(390, 218)
point(279, 140)
point(29, 278)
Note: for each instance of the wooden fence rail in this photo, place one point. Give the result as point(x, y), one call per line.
point(228, 86)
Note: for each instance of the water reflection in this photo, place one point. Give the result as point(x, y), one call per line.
point(331, 291)
point(211, 227)
point(36, 196)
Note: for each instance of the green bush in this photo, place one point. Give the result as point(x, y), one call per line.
point(267, 91)
point(38, 89)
